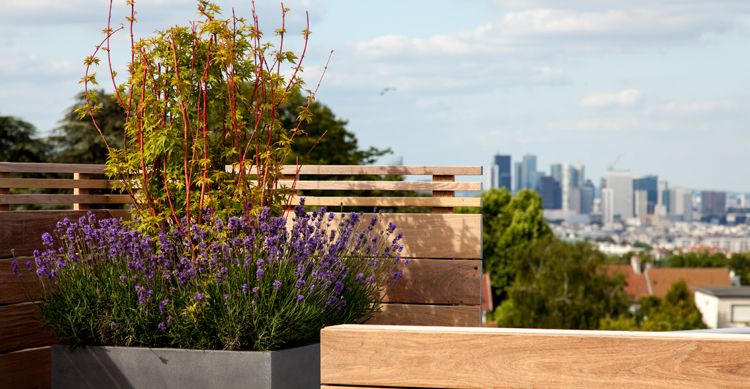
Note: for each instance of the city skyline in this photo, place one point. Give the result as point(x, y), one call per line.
point(662, 83)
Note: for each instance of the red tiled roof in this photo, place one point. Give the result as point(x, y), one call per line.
point(635, 284)
point(661, 279)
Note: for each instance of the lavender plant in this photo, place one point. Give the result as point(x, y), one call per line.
point(234, 284)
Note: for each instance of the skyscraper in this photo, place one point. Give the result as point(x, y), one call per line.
point(570, 176)
point(651, 185)
point(587, 197)
point(549, 190)
point(713, 204)
point(517, 183)
point(501, 177)
point(528, 174)
point(621, 185)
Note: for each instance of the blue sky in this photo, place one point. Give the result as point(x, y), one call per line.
point(664, 83)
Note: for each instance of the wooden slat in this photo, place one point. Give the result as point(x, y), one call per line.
point(21, 327)
point(23, 230)
point(27, 369)
point(24, 167)
point(14, 289)
point(442, 193)
point(383, 185)
point(490, 357)
point(430, 281)
point(378, 170)
point(335, 201)
point(429, 315)
point(54, 183)
point(63, 199)
point(4, 191)
point(433, 235)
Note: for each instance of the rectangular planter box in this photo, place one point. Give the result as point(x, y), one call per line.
point(135, 367)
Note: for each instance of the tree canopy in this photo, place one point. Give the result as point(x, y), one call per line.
point(18, 141)
point(509, 223)
point(561, 285)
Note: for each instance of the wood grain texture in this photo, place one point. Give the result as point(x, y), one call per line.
point(55, 183)
point(428, 315)
point(376, 170)
point(14, 289)
point(430, 281)
point(22, 231)
point(336, 201)
point(4, 191)
point(448, 187)
point(431, 235)
point(491, 357)
point(21, 327)
point(40, 199)
point(26, 369)
point(30, 167)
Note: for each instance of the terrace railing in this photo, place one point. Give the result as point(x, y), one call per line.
point(441, 286)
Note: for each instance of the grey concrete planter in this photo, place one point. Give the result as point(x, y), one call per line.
point(133, 367)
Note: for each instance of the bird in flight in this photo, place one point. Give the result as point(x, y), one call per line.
point(386, 90)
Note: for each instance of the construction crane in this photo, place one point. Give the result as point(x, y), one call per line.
point(617, 159)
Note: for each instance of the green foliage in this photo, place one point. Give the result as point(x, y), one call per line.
point(18, 142)
point(738, 262)
point(198, 98)
point(509, 223)
point(327, 141)
point(676, 312)
point(76, 139)
point(561, 285)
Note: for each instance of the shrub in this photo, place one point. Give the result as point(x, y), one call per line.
point(235, 284)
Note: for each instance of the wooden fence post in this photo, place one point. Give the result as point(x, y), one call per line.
point(80, 191)
point(441, 193)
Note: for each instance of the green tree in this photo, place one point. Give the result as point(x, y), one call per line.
point(676, 312)
point(509, 223)
point(76, 140)
point(561, 285)
point(18, 141)
point(326, 140)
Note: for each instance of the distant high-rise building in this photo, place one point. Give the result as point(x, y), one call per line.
point(651, 185)
point(550, 191)
point(663, 199)
point(713, 204)
point(641, 204)
point(607, 204)
point(587, 197)
point(528, 175)
point(570, 176)
point(621, 185)
point(501, 172)
point(517, 184)
point(680, 204)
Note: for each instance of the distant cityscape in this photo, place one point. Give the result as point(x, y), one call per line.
point(625, 209)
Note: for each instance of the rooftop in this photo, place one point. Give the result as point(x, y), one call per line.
point(739, 291)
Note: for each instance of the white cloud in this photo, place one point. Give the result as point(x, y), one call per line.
point(626, 97)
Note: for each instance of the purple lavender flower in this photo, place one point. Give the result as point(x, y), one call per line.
point(161, 326)
point(244, 288)
point(163, 305)
point(256, 290)
point(300, 298)
point(14, 268)
point(259, 274)
point(276, 284)
point(199, 297)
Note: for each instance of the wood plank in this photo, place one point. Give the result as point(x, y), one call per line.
point(14, 289)
point(63, 199)
point(55, 183)
point(354, 201)
point(21, 327)
point(23, 230)
point(31, 167)
point(28, 369)
point(428, 315)
point(4, 191)
point(431, 281)
point(376, 170)
point(432, 235)
point(442, 193)
point(447, 186)
point(488, 357)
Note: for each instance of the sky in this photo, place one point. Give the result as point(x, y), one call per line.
point(664, 85)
